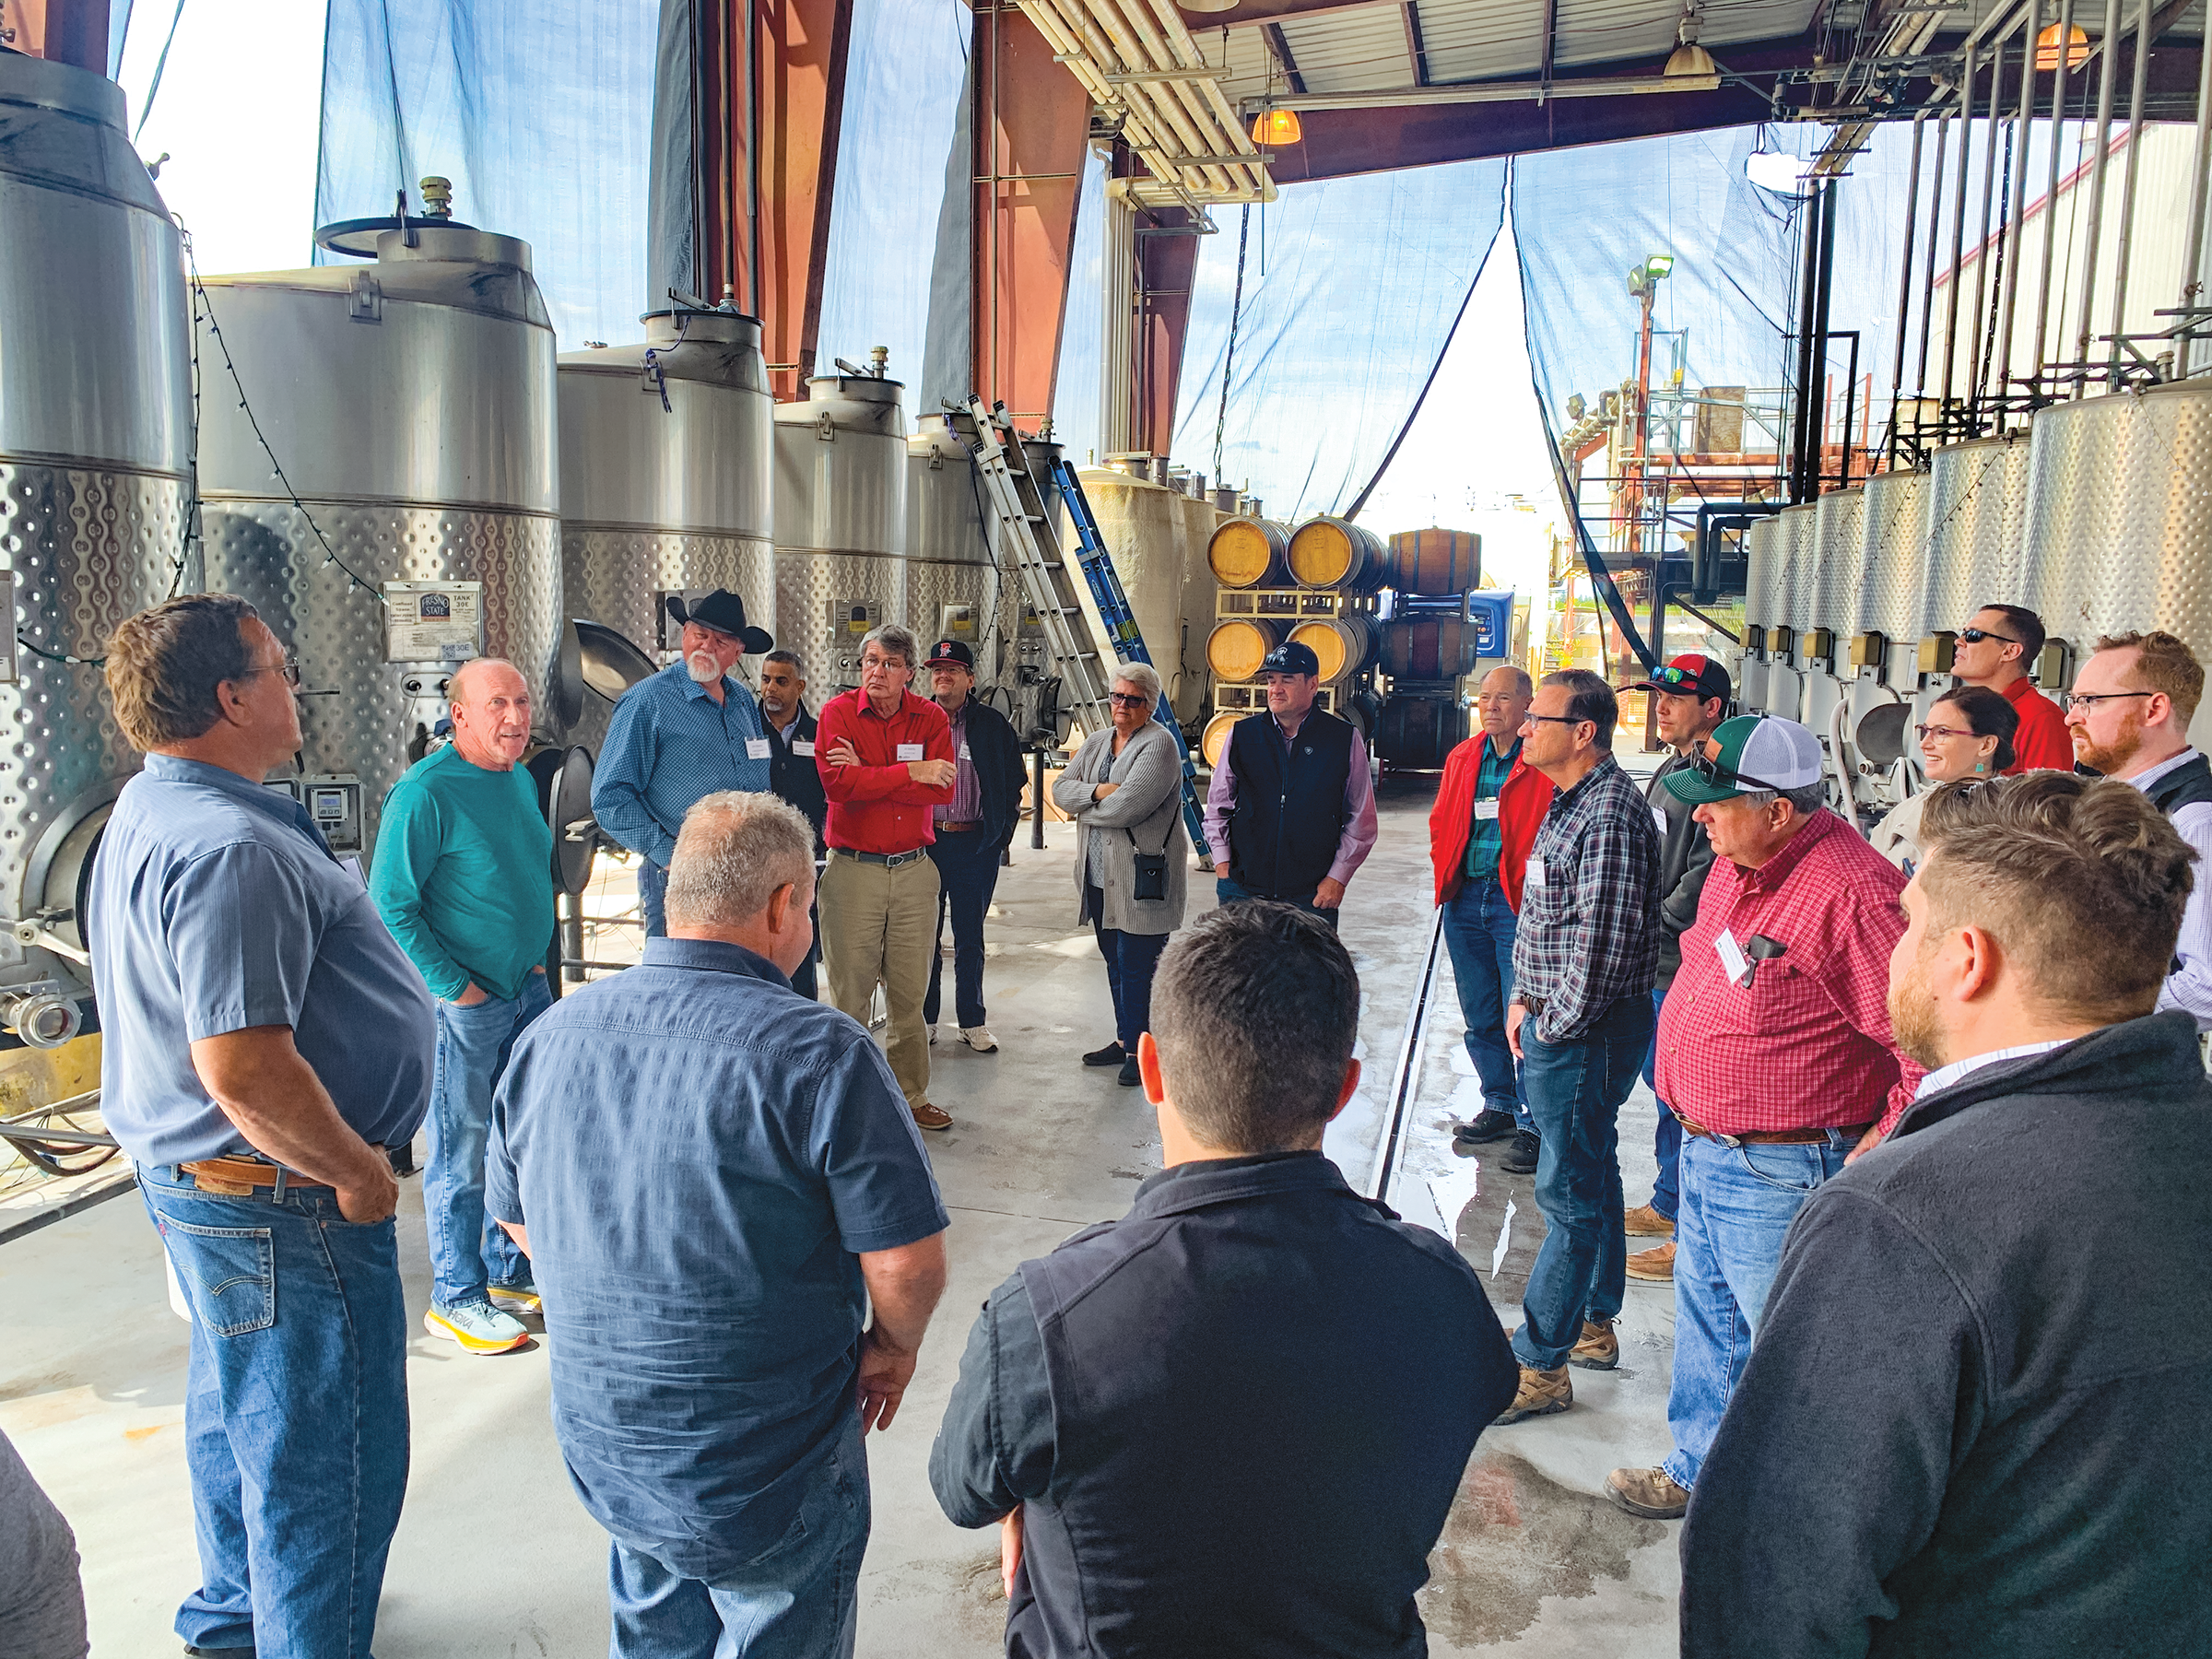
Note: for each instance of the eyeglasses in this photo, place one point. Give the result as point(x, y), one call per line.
point(1713, 772)
point(1974, 636)
point(1927, 732)
point(2087, 700)
point(289, 668)
point(1553, 719)
point(1128, 700)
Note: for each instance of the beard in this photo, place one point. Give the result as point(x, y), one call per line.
point(2110, 758)
point(702, 667)
point(1913, 1016)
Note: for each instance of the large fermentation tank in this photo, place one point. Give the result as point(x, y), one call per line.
point(841, 521)
point(1158, 538)
point(1793, 598)
point(409, 402)
point(1977, 526)
point(1839, 555)
point(95, 452)
point(1762, 608)
point(953, 591)
point(2119, 526)
point(1894, 560)
point(666, 456)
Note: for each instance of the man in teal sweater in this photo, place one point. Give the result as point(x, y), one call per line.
point(462, 874)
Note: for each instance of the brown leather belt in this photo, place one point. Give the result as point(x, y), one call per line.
point(960, 828)
point(240, 1177)
point(1771, 1138)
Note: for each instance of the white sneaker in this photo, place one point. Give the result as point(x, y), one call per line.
point(979, 1038)
point(933, 1036)
point(477, 1326)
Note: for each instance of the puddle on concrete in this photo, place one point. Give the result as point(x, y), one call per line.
point(1515, 1537)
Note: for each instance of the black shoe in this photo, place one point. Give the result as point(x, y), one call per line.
point(1489, 1125)
point(1128, 1078)
point(1521, 1159)
point(1111, 1055)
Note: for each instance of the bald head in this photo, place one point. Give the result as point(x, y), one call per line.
point(489, 700)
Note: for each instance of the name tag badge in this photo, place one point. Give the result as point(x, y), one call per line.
point(755, 748)
point(1486, 811)
point(964, 751)
point(1535, 873)
point(909, 751)
point(1659, 818)
point(801, 746)
point(1733, 959)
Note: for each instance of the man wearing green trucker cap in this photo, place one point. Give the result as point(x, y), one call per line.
point(1774, 1049)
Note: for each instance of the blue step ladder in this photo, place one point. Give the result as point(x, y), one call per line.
point(1021, 506)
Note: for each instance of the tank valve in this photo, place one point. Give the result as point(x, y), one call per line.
point(437, 198)
point(42, 1019)
point(878, 357)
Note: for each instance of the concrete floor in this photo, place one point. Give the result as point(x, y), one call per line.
point(494, 1557)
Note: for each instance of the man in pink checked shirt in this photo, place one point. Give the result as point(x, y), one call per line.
point(1775, 1051)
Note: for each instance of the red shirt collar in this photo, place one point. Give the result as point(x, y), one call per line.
point(907, 700)
point(2020, 690)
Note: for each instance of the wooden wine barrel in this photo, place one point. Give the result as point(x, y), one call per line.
point(1431, 648)
point(1250, 552)
point(1417, 733)
point(1235, 647)
point(1345, 644)
point(1435, 561)
point(1213, 742)
point(1335, 553)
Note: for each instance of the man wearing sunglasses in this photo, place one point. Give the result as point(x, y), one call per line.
point(2128, 715)
point(1774, 1049)
point(1995, 649)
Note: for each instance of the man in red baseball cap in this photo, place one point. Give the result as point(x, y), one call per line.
point(1693, 694)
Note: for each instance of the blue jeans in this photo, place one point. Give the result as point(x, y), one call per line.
point(1478, 931)
point(295, 1415)
point(968, 872)
point(1229, 892)
point(1575, 1093)
point(1666, 1139)
point(1130, 960)
point(652, 893)
point(799, 1601)
point(468, 1249)
point(1738, 1203)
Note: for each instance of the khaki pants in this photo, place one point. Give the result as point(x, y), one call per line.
point(879, 926)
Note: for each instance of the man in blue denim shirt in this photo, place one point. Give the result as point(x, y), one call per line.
point(265, 1042)
point(716, 1179)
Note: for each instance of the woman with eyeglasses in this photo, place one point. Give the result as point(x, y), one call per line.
point(1125, 791)
point(1968, 736)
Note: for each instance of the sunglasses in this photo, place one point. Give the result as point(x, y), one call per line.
point(2087, 700)
point(1128, 700)
point(1727, 777)
point(1687, 679)
point(1974, 636)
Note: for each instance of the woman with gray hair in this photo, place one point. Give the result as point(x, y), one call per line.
point(1125, 791)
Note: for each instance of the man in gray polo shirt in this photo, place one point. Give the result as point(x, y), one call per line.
point(265, 1042)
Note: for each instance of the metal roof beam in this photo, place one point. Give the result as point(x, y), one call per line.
point(1416, 52)
point(1281, 48)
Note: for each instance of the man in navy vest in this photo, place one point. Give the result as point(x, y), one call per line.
point(1232, 1422)
point(1290, 814)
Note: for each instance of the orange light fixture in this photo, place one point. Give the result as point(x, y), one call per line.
point(2046, 48)
point(1277, 126)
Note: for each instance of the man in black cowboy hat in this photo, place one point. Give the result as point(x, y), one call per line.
point(689, 731)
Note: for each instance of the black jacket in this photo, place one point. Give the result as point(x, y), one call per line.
point(1237, 1417)
point(794, 778)
point(1684, 860)
point(1289, 815)
point(1978, 1417)
point(996, 754)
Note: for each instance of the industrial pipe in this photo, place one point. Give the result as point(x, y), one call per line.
point(1801, 417)
point(1904, 280)
point(2127, 188)
point(2023, 125)
point(2058, 106)
point(1976, 369)
point(2193, 246)
point(2096, 215)
point(1927, 297)
point(1950, 312)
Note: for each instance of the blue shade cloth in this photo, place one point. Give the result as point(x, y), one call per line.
point(668, 744)
point(700, 1157)
point(540, 112)
point(1351, 288)
point(1082, 360)
point(902, 98)
point(216, 907)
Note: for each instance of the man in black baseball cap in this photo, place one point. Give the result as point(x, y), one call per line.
point(1290, 814)
point(973, 831)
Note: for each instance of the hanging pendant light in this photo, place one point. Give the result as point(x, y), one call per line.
point(1276, 126)
point(1689, 59)
point(2046, 48)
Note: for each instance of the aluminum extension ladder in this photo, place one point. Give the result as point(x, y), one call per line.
point(1021, 503)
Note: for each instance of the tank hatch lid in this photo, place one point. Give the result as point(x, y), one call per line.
point(392, 240)
point(50, 85)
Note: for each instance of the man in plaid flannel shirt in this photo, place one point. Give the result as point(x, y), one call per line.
point(1584, 956)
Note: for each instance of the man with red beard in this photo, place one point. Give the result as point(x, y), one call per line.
point(2129, 713)
point(1977, 1397)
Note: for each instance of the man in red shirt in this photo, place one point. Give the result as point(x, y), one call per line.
point(885, 760)
point(1775, 1051)
point(1995, 649)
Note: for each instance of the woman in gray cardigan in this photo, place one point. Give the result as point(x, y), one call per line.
point(1125, 791)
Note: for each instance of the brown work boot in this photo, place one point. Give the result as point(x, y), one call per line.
point(1644, 1222)
point(931, 1117)
point(1651, 1493)
point(1542, 1393)
point(1654, 1266)
point(1599, 1349)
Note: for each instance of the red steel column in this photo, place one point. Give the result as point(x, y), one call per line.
point(65, 32)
